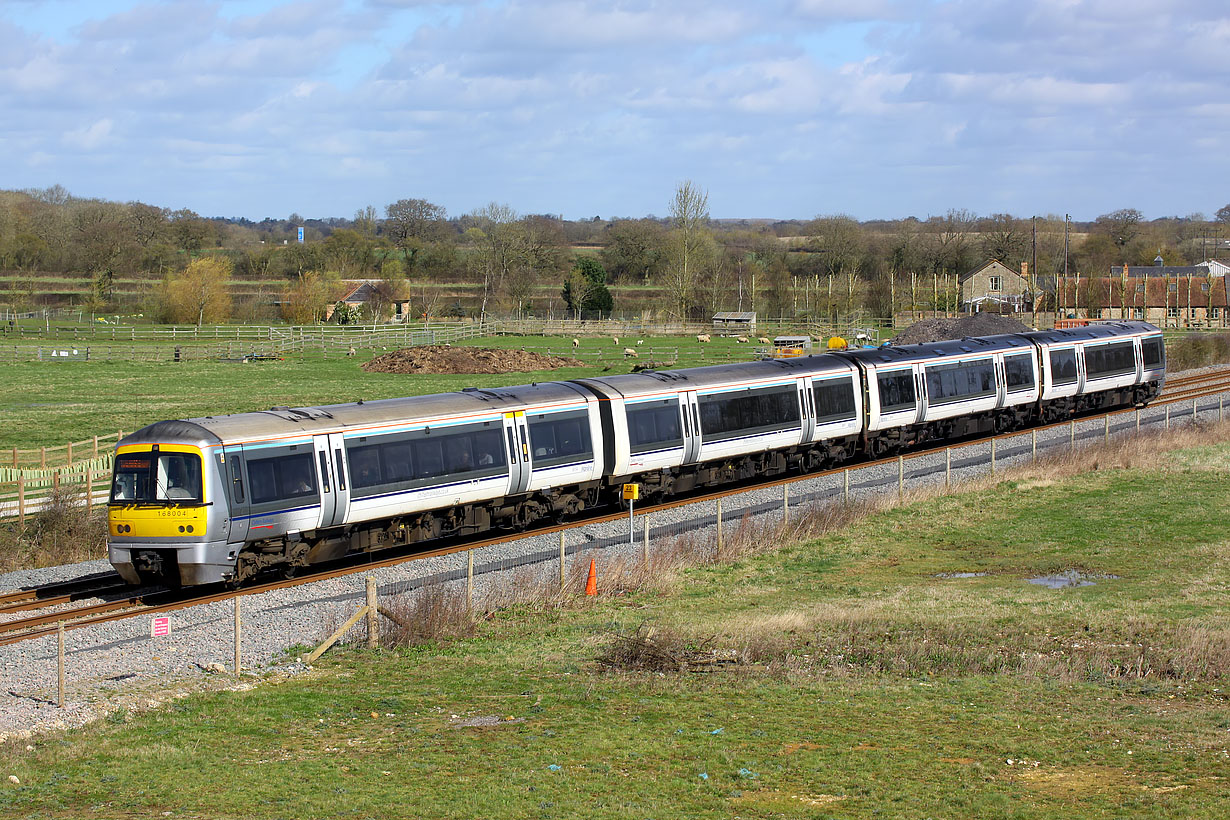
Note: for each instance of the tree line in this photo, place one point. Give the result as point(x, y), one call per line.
point(533, 264)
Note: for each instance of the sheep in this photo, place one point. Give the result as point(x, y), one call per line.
point(630, 352)
point(764, 340)
point(576, 343)
point(702, 337)
point(350, 352)
point(741, 340)
point(615, 339)
point(640, 342)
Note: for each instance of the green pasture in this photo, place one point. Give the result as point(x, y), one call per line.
point(882, 687)
point(50, 402)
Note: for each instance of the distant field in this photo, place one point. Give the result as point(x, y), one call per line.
point(885, 685)
point(50, 402)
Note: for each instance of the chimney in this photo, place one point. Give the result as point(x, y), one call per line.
point(1159, 261)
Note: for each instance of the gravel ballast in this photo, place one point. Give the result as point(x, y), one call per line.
point(120, 666)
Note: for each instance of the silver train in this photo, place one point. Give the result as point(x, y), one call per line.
point(223, 498)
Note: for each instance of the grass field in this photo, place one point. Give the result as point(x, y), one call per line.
point(879, 684)
point(50, 402)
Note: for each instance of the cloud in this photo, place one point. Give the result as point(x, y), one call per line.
point(89, 137)
point(325, 105)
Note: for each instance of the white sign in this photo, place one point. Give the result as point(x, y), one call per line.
point(159, 627)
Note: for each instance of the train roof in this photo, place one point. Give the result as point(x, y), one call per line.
point(281, 421)
point(694, 378)
point(893, 354)
point(1103, 330)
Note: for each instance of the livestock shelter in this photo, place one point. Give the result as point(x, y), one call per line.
point(735, 323)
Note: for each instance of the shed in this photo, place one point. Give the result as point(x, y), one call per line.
point(735, 323)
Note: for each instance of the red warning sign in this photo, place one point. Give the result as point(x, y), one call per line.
point(159, 627)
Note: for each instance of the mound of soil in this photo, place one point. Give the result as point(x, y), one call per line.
point(941, 330)
point(440, 359)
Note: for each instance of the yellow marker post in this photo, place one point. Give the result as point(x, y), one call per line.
point(632, 492)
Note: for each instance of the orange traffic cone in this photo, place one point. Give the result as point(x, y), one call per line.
point(591, 583)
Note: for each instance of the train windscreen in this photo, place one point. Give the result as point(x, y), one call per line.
point(157, 478)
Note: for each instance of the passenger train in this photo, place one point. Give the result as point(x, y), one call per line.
point(223, 498)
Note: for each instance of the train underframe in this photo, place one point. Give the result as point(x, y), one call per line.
point(1006, 419)
point(294, 553)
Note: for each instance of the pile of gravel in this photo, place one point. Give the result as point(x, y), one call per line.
point(941, 330)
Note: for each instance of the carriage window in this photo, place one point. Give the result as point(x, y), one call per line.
point(1154, 352)
point(896, 390)
point(1063, 366)
point(960, 381)
point(428, 458)
point(560, 438)
point(1018, 373)
point(405, 462)
point(365, 466)
point(281, 478)
point(834, 400)
point(749, 412)
point(1110, 360)
point(654, 426)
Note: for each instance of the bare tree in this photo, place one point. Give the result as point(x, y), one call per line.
point(690, 237)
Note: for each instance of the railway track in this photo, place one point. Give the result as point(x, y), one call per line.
point(1178, 392)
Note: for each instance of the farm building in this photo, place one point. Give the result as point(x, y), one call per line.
point(735, 323)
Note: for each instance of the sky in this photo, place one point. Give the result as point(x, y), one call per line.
point(783, 109)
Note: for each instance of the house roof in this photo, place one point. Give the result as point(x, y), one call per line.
point(990, 263)
point(1160, 271)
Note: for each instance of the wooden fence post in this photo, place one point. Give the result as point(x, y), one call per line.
point(95, 446)
point(69, 459)
point(562, 566)
point(845, 485)
point(469, 580)
point(1072, 435)
point(900, 476)
point(785, 503)
point(373, 622)
point(1034, 446)
point(719, 526)
point(21, 500)
point(947, 468)
point(238, 637)
point(645, 543)
point(43, 457)
point(60, 664)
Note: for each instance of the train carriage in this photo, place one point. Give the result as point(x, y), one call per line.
point(1099, 365)
point(223, 498)
point(946, 389)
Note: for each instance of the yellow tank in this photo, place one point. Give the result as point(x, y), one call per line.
point(837, 343)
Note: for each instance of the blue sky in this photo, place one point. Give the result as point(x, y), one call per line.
point(780, 108)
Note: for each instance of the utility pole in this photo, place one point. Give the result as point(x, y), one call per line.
point(1066, 219)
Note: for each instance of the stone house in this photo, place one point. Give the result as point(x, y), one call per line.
point(995, 287)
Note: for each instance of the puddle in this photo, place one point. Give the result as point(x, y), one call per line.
point(962, 575)
point(1071, 578)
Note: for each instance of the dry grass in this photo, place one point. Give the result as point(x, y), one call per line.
point(876, 637)
point(1197, 350)
point(62, 532)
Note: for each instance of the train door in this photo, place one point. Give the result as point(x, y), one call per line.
point(341, 482)
point(1001, 381)
point(920, 392)
point(690, 409)
point(236, 483)
point(516, 437)
point(324, 481)
point(807, 410)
